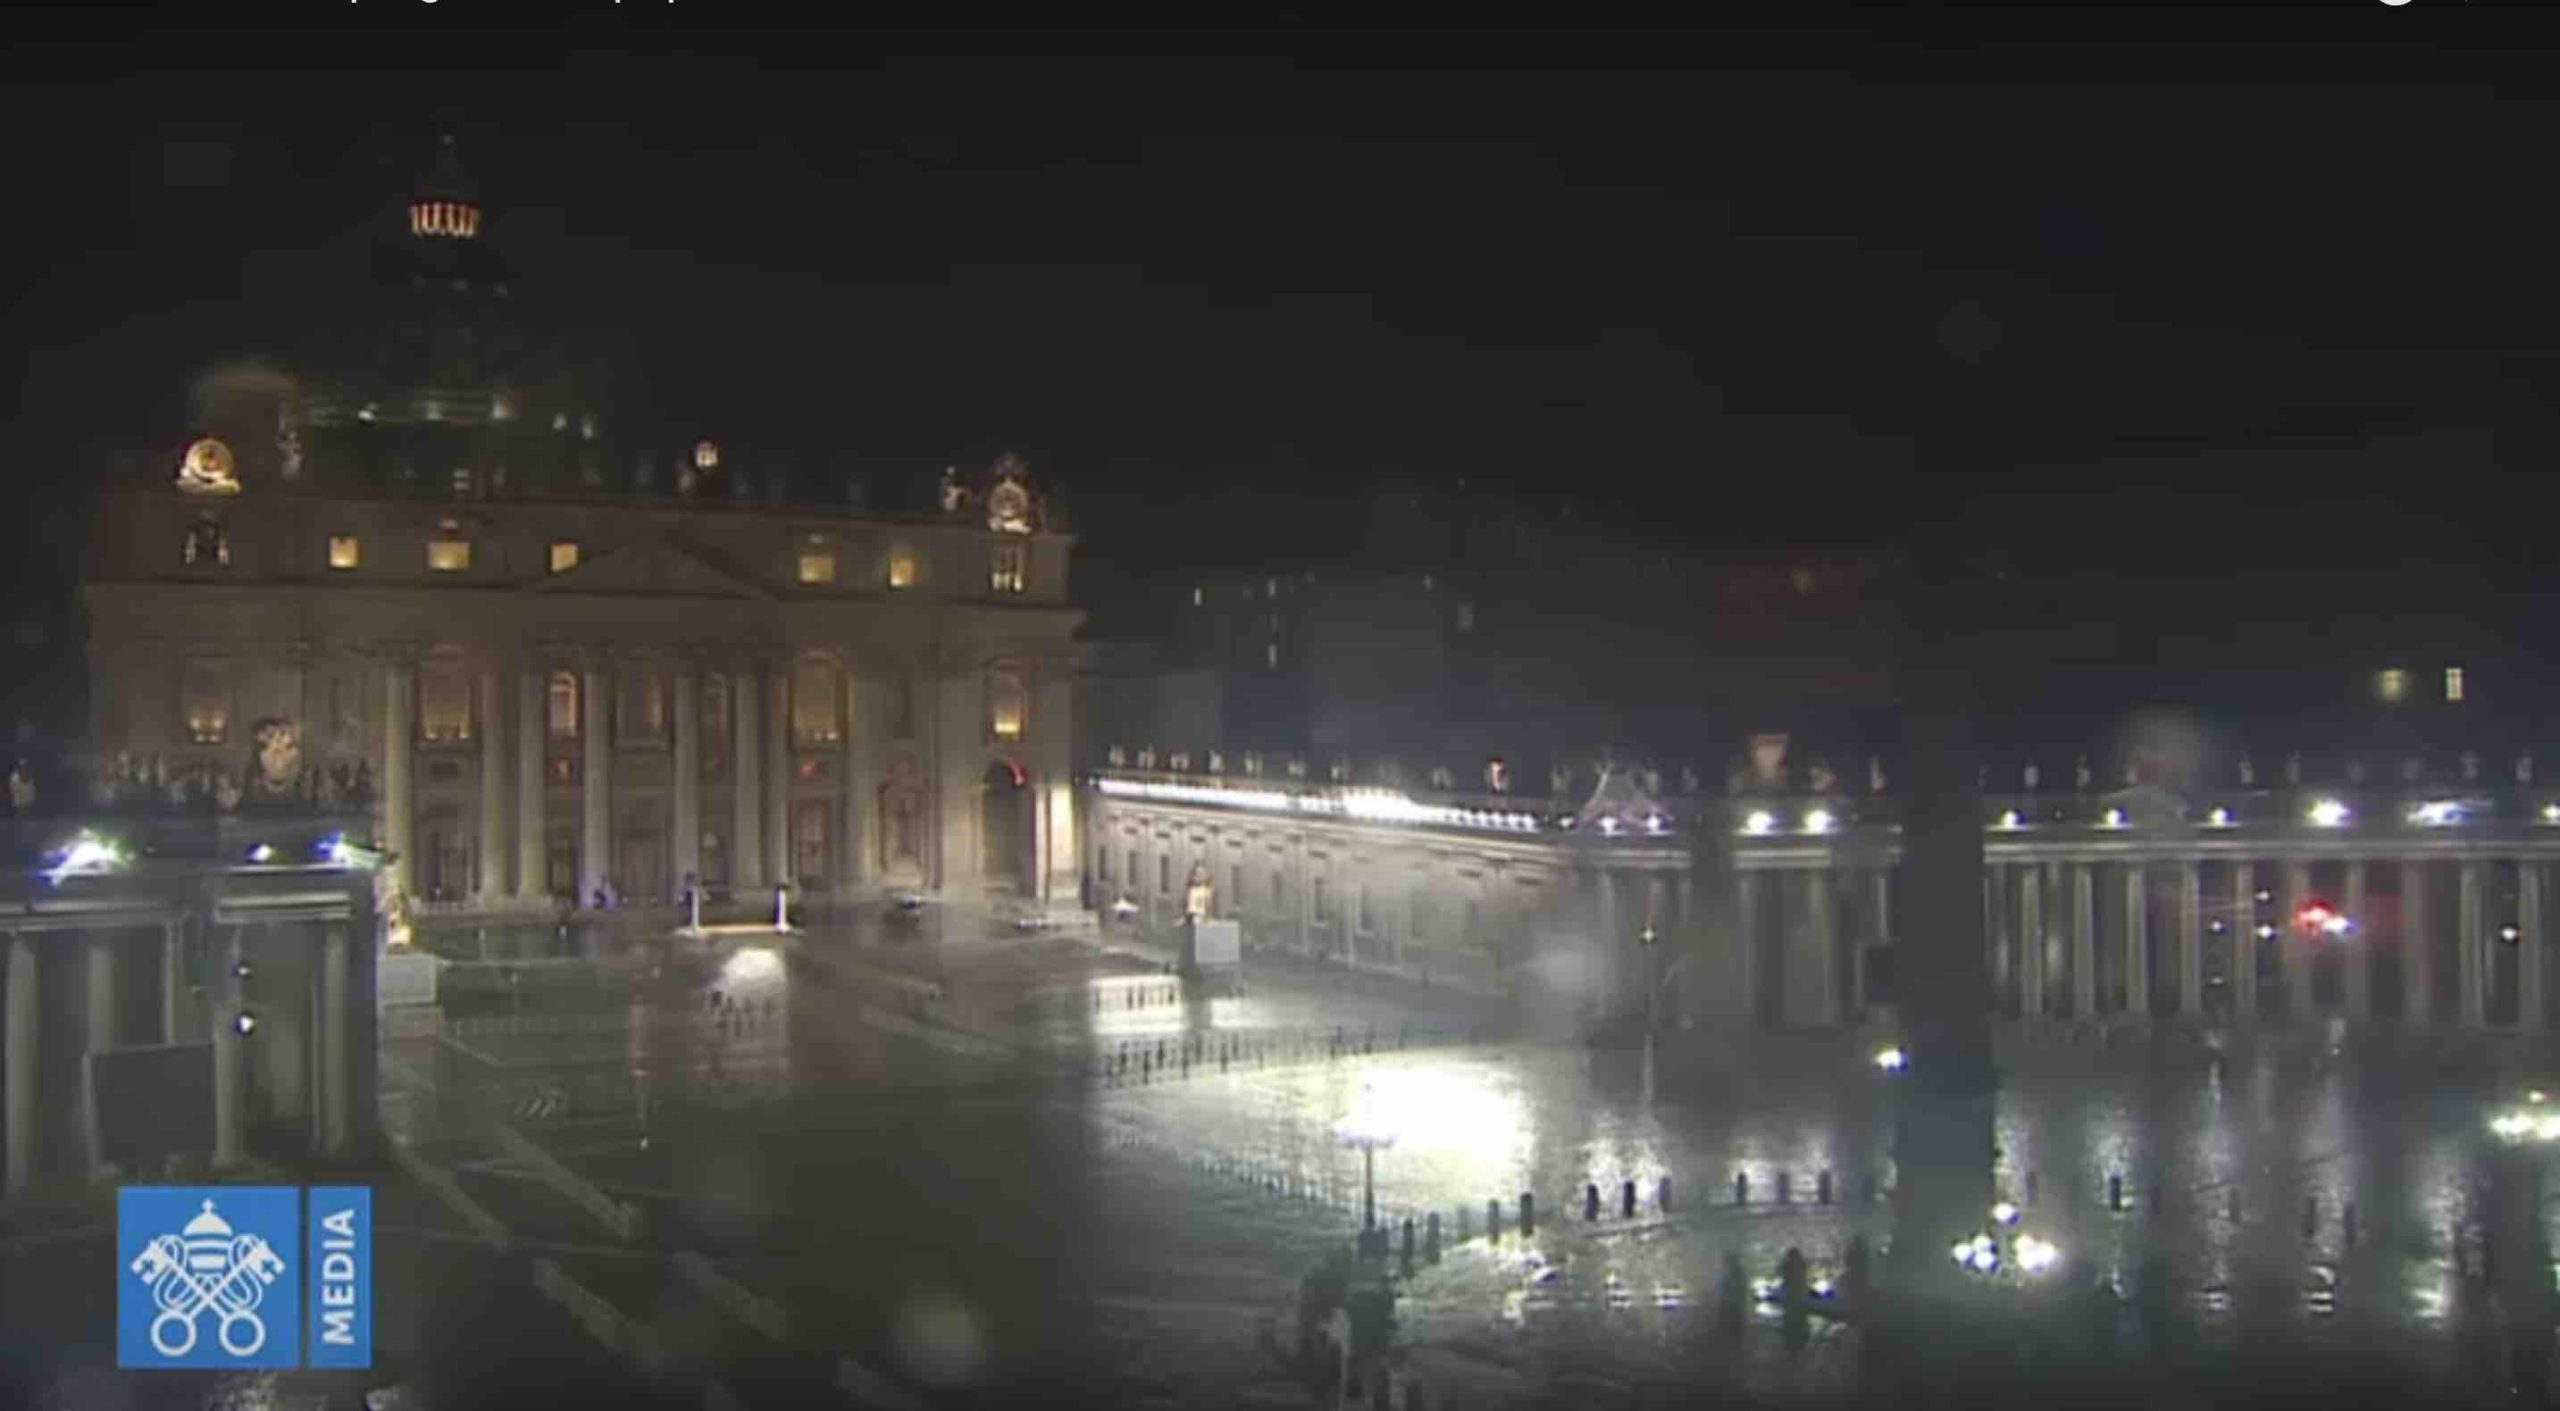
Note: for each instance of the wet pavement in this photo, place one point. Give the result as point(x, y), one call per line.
point(961, 1169)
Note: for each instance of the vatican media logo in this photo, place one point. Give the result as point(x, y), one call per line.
point(217, 1276)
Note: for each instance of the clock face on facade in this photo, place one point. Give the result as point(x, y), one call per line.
point(208, 469)
point(1009, 508)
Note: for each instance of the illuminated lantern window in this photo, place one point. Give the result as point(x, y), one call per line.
point(902, 568)
point(1005, 572)
point(564, 555)
point(561, 698)
point(817, 562)
point(1008, 705)
point(2391, 685)
point(2453, 683)
point(344, 551)
point(208, 707)
point(450, 552)
point(706, 456)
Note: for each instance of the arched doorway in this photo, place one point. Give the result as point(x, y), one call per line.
point(1007, 823)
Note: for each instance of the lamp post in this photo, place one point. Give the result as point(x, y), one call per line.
point(1368, 1129)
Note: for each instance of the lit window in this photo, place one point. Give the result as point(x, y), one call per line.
point(1271, 655)
point(1466, 617)
point(344, 551)
point(902, 569)
point(208, 707)
point(1199, 596)
point(444, 702)
point(449, 552)
point(207, 546)
point(2392, 684)
point(817, 566)
point(2453, 683)
point(1005, 568)
point(814, 717)
point(1008, 705)
point(640, 712)
point(564, 555)
point(562, 697)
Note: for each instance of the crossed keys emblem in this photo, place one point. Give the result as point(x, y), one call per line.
point(208, 1269)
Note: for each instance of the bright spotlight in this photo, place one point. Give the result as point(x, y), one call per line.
point(263, 852)
point(86, 854)
point(2114, 818)
point(2328, 813)
point(2436, 813)
point(2009, 820)
point(2219, 818)
point(1818, 821)
point(2036, 1255)
point(244, 1023)
point(2005, 1213)
point(1892, 1060)
point(1759, 823)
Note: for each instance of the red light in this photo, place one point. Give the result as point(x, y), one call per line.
point(2318, 918)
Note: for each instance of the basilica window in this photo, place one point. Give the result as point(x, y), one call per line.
point(1164, 873)
point(815, 719)
point(1008, 704)
point(206, 704)
point(1005, 568)
point(902, 568)
point(207, 546)
point(2452, 680)
point(817, 561)
point(564, 555)
point(640, 713)
point(449, 552)
point(345, 552)
point(444, 702)
point(902, 715)
point(560, 698)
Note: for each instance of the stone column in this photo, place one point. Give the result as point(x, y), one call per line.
point(2137, 942)
point(2244, 942)
point(1880, 884)
point(337, 1086)
point(2030, 933)
point(1745, 960)
point(2359, 957)
point(1820, 953)
point(2296, 947)
point(493, 787)
point(230, 1056)
point(25, 1044)
point(2190, 941)
point(2470, 954)
point(2529, 943)
point(98, 1032)
point(855, 872)
point(2084, 940)
point(2417, 954)
point(777, 778)
point(595, 784)
point(397, 807)
point(688, 771)
point(533, 785)
point(2000, 947)
point(746, 841)
point(173, 982)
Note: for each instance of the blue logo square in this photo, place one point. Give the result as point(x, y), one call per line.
point(206, 1276)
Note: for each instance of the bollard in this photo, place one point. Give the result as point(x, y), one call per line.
point(1528, 1214)
point(1742, 1188)
point(1493, 1219)
point(1627, 1200)
point(2347, 1224)
point(1786, 1188)
point(1591, 1201)
point(1662, 1195)
point(1408, 1241)
point(1430, 1238)
point(2115, 1193)
point(1822, 1186)
point(2310, 1216)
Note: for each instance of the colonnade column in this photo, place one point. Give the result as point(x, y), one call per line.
point(2190, 941)
point(26, 1014)
point(595, 784)
point(777, 780)
point(746, 842)
point(858, 822)
point(230, 1055)
point(2000, 949)
point(2137, 941)
point(2417, 956)
point(397, 680)
point(2030, 940)
point(1880, 884)
point(2529, 1004)
point(1745, 961)
point(1822, 932)
point(2359, 957)
point(173, 981)
point(2471, 944)
point(98, 1033)
point(493, 787)
point(2243, 933)
point(688, 770)
point(533, 783)
point(2084, 940)
point(337, 1080)
point(2294, 945)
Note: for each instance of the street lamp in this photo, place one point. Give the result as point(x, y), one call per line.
point(1368, 1127)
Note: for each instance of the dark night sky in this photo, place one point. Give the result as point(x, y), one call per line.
point(2167, 293)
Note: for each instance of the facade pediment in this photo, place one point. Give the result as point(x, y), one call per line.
point(652, 568)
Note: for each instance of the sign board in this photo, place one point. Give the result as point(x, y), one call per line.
point(153, 1102)
point(1212, 945)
